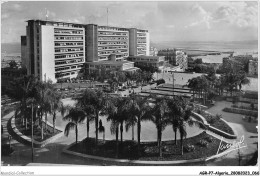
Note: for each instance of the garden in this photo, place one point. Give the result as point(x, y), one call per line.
point(200, 146)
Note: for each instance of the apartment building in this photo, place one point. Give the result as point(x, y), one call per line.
point(54, 50)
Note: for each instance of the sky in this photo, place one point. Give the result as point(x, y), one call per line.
point(166, 21)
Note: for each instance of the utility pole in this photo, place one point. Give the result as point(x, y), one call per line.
point(46, 14)
point(107, 16)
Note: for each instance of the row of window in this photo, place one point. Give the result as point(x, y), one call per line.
point(112, 47)
point(68, 43)
point(68, 38)
point(141, 59)
point(68, 56)
point(68, 61)
point(68, 50)
point(110, 52)
point(112, 33)
point(112, 43)
point(68, 32)
point(111, 28)
point(112, 38)
point(68, 67)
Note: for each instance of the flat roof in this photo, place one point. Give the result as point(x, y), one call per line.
point(148, 57)
point(80, 24)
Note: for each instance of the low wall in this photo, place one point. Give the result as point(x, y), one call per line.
point(26, 140)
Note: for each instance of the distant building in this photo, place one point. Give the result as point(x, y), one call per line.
point(176, 57)
point(55, 50)
point(253, 68)
point(153, 51)
point(155, 61)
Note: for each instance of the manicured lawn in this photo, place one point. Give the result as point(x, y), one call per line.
point(149, 151)
point(48, 132)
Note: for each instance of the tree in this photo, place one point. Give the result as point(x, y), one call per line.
point(159, 114)
point(75, 116)
point(116, 117)
point(22, 89)
point(13, 65)
point(137, 109)
point(97, 102)
point(84, 102)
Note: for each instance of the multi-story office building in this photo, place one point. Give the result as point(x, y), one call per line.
point(54, 50)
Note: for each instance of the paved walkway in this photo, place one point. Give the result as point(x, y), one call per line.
point(5, 134)
point(241, 129)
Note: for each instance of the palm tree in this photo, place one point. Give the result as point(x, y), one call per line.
point(75, 117)
point(137, 108)
point(84, 103)
point(97, 102)
point(23, 89)
point(116, 115)
point(159, 115)
point(54, 104)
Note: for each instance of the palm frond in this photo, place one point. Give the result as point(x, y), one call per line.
point(68, 127)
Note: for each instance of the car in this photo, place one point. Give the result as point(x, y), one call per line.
point(134, 86)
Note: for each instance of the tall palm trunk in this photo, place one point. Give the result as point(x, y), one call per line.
point(76, 132)
point(133, 131)
point(175, 136)
point(121, 132)
point(138, 134)
point(117, 142)
point(54, 121)
point(46, 121)
point(160, 142)
point(181, 144)
point(87, 127)
point(26, 123)
point(96, 124)
point(41, 126)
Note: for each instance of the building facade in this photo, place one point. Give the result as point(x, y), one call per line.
point(55, 50)
point(154, 61)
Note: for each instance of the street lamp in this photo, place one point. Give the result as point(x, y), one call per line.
point(32, 134)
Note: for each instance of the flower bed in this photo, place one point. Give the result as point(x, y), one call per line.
point(216, 121)
point(149, 151)
point(6, 109)
point(48, 132)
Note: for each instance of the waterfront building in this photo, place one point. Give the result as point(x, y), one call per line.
point(55, 50)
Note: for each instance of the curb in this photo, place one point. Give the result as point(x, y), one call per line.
point(26, 140)
point(213, 129)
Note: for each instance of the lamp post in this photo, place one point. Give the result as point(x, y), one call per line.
point(32, 134)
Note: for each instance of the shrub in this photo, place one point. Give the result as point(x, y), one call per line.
point(208, 139)
point(203, 143)
point(160, 81)
point(189, 148)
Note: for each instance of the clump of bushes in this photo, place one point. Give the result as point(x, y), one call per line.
point(160, 81)
point(189, 148)
point(203, 143)
point(209, 139)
